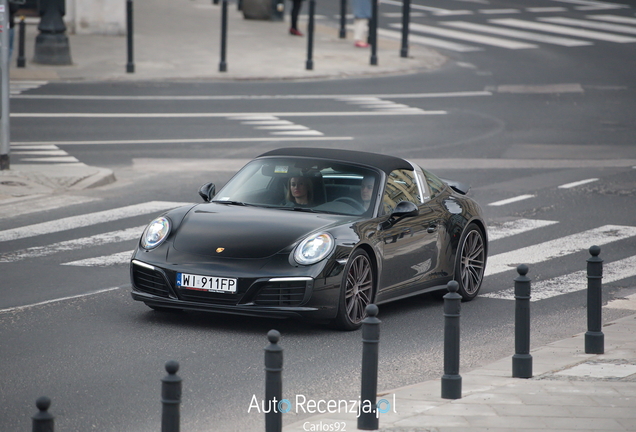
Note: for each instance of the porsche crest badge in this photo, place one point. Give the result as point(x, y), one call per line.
point(219, 250)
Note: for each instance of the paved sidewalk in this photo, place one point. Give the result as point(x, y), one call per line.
point(181, 41)
point(570, 391)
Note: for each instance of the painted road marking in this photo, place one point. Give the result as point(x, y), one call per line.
point(422, 40)
point(552, 28)
point(572, 282)
point(519, 34)
point(472, 37)
point(518, 226)
point(103, 261)
point(79, 221)
point(223, 115)
point(577, 183)
point(42, 204)
point(558, 248)
point(511, 200)
point(261, 97)
point(590, 24)
point(614, 18)
point(71, 245)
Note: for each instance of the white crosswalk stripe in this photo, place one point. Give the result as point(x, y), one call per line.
point(618, 28)
point(514, 227)
point(17, 87)
point(614, 18)
point(48, 153)
point(70, 245)
point(471, 37)
point(276, 126)
point(571, 31)
point(577, 281)
point(558, 248)
point(519, 34)
point(432, 42)
point(377, 104)
point(79, 221)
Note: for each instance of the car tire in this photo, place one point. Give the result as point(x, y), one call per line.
point(470, 262)
point(357, 290)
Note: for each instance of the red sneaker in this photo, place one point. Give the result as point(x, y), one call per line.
point(295, 32)
point(360, 44)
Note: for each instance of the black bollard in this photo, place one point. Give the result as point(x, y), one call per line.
point(130, 65)
point(309, 65)
point(171, 398)
point(273, 383)
point(406, 14)
point(21, 61)
point(343, 19)
point(368, 418)
point(373, 33)
point(594, 337)
point(522, 360)
point(451, 380)
point(223, 63)
point(51, 44)
point(43, 421)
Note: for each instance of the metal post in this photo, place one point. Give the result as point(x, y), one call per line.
point(21, 61)
point(406, 13)
point(373, 33)
point(309, 65)
point(43, 421)
point(273, 383)
point(343, 19)
point(171, 398)
point(368, 417)
point(223, 63)
point(51, 45)
point(522, 360)
point(451, 381)
point(594, 337)
point(130, 66)
point(5, 144)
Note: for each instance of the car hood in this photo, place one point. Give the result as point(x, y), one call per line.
point(233, 231)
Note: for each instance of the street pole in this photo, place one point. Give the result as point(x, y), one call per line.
point(4, 87)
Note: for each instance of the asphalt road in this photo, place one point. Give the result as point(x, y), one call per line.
point(525, 123)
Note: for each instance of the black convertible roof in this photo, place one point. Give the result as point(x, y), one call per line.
point(384, 162)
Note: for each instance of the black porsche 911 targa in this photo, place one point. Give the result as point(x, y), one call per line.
point(313, 233)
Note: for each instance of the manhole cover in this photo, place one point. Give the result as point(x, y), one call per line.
point(12, 183)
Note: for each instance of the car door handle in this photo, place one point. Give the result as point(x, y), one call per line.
point(431, 228)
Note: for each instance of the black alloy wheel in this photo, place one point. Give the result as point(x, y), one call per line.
point(356, 292)
point(471, 262)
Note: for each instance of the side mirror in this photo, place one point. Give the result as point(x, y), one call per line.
point(402, 210)
point(405, 209)
point(207, 191)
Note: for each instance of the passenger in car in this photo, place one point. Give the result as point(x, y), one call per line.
point(366, 190)
point(300, 192)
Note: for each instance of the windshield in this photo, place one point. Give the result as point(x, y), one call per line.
point(303, 185)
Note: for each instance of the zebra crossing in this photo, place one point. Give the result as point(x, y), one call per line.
point(518, 34)
point(552, 249)
point(17, 87)
point(42, 153)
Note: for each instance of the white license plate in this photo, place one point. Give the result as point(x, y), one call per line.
point(206, 283)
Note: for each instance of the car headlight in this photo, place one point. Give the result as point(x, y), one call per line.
point(314, 248)
point(155, 233)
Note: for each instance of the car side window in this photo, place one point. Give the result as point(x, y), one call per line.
point(401, 185)
point(435, 184)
